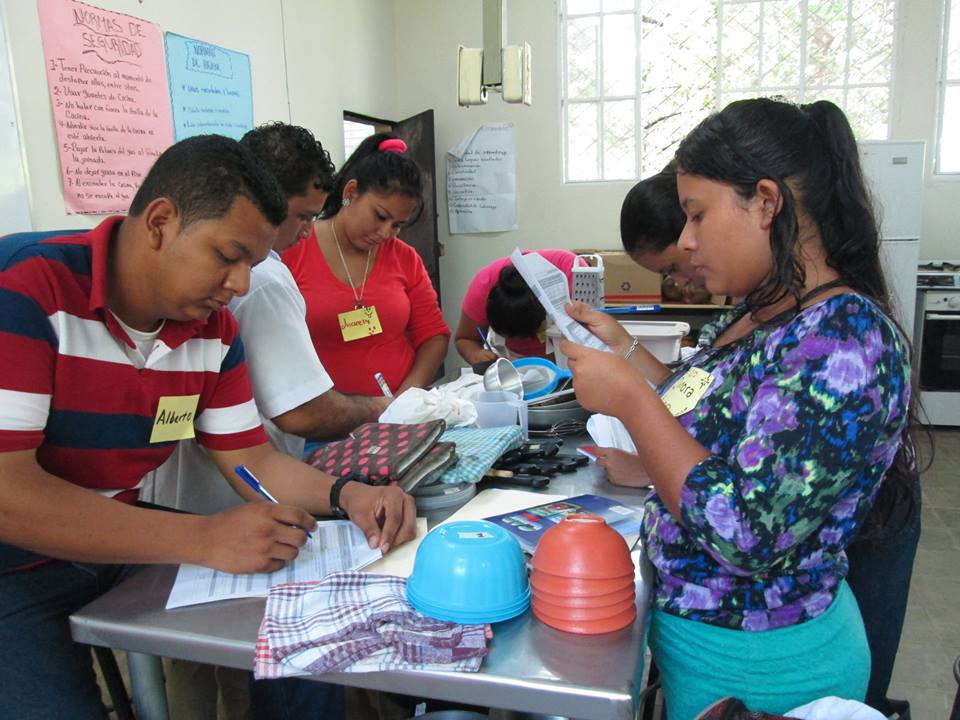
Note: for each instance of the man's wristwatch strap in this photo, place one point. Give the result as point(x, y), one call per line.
point(335, 508)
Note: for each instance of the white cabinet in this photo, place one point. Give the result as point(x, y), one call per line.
point(900, 259)
point(894, 173)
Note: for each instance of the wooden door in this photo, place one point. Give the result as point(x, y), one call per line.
point(417, 131)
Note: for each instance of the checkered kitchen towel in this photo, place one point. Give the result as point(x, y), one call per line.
point(358, 622)
point(478, 450)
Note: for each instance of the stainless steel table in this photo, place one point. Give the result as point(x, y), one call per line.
point(531, 668)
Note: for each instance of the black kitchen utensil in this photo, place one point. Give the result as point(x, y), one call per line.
point(537, 482)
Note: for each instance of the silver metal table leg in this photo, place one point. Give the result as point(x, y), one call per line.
point(148, 687)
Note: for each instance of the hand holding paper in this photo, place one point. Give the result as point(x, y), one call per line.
point(602, 325)
point(549, 285)
point(623, 468)
point(604, 381)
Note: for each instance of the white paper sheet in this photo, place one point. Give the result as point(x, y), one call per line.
point(609, 432)
point(335, 545)
point(485, 503)
point(482, 181)
point(549, 285)
point(399, 561)
point(496, 501)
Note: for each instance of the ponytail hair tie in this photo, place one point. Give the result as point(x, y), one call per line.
point(394, 145)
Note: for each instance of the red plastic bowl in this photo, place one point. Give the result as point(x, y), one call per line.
point(567, 613)
point(583, 546)
point(588, 601)
point(588, 627)
point(574, 587)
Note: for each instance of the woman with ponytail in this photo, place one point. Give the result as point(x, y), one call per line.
point(768, 447)
point(371, 307)
point(500, 306)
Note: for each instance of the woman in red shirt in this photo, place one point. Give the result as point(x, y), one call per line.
point(371, 307)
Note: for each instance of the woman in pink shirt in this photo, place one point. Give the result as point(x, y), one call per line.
point(371, 307)
point(498, 299)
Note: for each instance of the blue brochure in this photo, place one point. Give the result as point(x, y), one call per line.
point(529, 525)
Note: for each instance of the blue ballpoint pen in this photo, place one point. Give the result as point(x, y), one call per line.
point(630, 309)
point(486, 343)
point(250, 479)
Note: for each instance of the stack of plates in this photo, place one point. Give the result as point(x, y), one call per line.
point(443, 495)
point(544, 414)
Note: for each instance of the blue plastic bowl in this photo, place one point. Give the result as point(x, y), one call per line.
point(469, 572)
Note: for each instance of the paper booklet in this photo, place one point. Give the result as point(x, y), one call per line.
point(529, 525)
point(335, 545)
point(550, 287)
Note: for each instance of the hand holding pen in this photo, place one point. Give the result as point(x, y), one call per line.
point(486, 343)
point(384, 388)
point(250, 479)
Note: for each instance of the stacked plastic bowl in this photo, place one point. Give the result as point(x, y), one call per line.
point(469, 572)
point(582, 577)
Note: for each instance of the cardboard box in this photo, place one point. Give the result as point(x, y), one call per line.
point(627, 283)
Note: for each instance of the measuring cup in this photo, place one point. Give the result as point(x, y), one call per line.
point(557, 375)
point(499, 409)
point(502, 375)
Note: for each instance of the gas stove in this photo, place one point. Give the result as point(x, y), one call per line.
point(939, 275)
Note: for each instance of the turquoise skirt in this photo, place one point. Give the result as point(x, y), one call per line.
point(773, 670)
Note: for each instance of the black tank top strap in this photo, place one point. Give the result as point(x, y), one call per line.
point(822, 289)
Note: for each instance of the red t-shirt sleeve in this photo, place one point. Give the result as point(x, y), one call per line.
point(426, 321)
point(29, 348)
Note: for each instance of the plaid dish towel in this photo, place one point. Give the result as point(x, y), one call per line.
point(478, 450)
point(358, 622)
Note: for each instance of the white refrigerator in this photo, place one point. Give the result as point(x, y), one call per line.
point(894, 174)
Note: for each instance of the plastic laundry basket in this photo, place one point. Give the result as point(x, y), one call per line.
point(660, 338)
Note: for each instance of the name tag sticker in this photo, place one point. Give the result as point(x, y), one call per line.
point(174, 420)
point(360, 323)
point(686, 392)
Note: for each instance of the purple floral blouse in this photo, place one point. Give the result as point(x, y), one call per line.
point(802, 421)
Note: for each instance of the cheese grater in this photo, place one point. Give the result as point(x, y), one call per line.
point(588, 281)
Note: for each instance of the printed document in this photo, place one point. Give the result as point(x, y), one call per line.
point(336, 545)
point(482, 181)
point(549, 284)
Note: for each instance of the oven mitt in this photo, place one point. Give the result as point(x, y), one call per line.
point(382, 452)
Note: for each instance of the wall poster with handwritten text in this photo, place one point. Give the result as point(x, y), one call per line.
point(109, 97)
point(210, 88)
point(482, 181)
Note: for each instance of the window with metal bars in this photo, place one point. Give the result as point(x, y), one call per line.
point(948, 137)
point(639, 74)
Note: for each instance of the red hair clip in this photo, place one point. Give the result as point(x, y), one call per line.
point(392, 145)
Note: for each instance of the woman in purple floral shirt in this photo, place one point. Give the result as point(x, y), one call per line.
point(769, 445)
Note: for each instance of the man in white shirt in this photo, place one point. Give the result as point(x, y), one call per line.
point(296, 400)
point(294, 393)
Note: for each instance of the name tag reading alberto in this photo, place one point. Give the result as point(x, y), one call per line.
point(174, 420)
point(686, 392)
point(360, 323)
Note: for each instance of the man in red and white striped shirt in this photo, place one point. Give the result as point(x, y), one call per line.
point(114, 344)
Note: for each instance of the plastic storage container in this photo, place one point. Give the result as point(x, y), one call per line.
point(661, 338)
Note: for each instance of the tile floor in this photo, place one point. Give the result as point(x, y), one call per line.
point(931, 635)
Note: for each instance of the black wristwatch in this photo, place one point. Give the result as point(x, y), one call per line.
point(335, 508)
